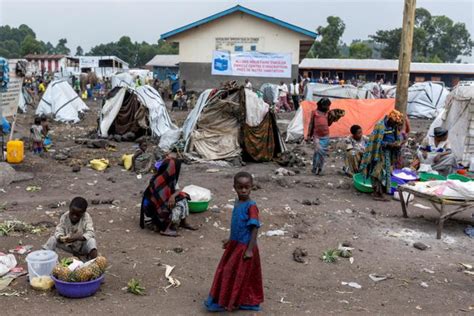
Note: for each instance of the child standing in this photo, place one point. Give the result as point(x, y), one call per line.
point(75, 231)
point(319, 130)
point(37, 136)
point(238, 279)
point(45, 131)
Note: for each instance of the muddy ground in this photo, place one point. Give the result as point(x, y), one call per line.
point(382, 239)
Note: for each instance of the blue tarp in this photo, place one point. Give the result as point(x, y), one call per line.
point(5, 125)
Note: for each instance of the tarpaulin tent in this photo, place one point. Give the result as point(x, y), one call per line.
point(60, 101)
point(134, 110)
point(316, 91)
point(365, 113)
point(270, 93)
point(425, 99)
point(458, 118)
point(122, 79)
point(230, 122)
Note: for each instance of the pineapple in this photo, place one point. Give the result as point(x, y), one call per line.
point(101, 262)
point(95, 270)
point(73, 277)
point(84, 274)
point(61, 272)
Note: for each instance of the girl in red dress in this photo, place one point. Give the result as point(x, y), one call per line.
point(238, 279)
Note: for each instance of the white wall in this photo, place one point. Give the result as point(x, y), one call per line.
point(196, 45)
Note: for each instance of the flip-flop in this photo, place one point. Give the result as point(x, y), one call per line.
point(189, 227)
point(169, 234)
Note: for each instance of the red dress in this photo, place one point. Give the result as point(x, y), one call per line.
point(238, 282)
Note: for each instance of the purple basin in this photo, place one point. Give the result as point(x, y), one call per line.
point(78, 289)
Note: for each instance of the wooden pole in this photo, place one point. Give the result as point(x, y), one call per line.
point(405, 55)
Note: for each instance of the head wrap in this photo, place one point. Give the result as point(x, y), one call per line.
point(440, 132)
point(396, 116)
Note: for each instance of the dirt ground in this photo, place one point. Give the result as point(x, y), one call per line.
point(382, 238)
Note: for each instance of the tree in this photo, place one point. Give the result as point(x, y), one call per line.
point(61, 47)
point(360, 50)
point(49, 48)
point(328, 46)
point(79, 51)
point(434, 38)
point(31, 46)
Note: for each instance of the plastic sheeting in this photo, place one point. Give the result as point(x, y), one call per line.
point(425, 99)
point(123, 79)
point(158, 117)
point(60, 101)
point(190, 122)
point(270, 93)
point(365, 113)
point(316, 91)
point(160, 121)
point(256, 108)
point(458, 118)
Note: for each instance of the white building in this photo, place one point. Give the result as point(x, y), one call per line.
point(236, 29)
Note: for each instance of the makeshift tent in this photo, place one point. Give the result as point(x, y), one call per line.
point(316, 91)
point(425, 99)
point(458, 118)
point(122, 79)
point(270, 93)
point(60, 101)
point(134, 110)
point(230, 122)
point(365, 113)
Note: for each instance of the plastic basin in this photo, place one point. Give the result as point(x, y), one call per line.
point(361, 184)
point(198, 207)
point(426, 176)
point(398, 172)
point(78, 289)
point(395, 182)
point(455, 176)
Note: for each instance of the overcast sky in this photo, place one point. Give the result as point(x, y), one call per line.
point(87, 22)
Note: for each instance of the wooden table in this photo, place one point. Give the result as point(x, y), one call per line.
point(438, 203)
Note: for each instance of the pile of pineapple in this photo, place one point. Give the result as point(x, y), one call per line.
point(88, 271)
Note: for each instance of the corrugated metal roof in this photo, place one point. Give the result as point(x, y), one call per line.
point(44, 56)
point(164, 61)
point(239, 8)
point(383, 65)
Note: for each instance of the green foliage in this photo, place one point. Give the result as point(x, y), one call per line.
point(360, 50)
point(328, 46)
point(136, 54)
point(31, 46)
point(435, 38)
point(79, 51)
point(61, 47)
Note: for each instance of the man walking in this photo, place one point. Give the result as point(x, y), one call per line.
point(295, 94)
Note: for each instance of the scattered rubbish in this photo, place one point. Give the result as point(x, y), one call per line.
point(229, 206)
point(311, 202)
point(14, 293)
point(212, 170)
point(134, 287)
point(406, 196)
point(172, 281)
point(424, 284)
point(276, 232)
point(330, 255)
point(139, 176)
point(377, 277)
point(21, 250)
point(469, 230)
point(354, 285)
point(344, 251)
point(299, 254)
point(33, 188)
point(420, 246)
point(284, 172)
point(348, 211)
point(418, 307)
point(7, 262)
point(99, 164)
point(469, 272)
point(283, 301)
point(351, 260)
point(422, 206)
point(428, 271)
point(466, 266)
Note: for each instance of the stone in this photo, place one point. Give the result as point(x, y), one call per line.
point(98, 143)
point(7, 174)
point(420, 246)
point(61, 156)
point(129, 137)
point(95, 202)
point(117, 138)
point(76, 168)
